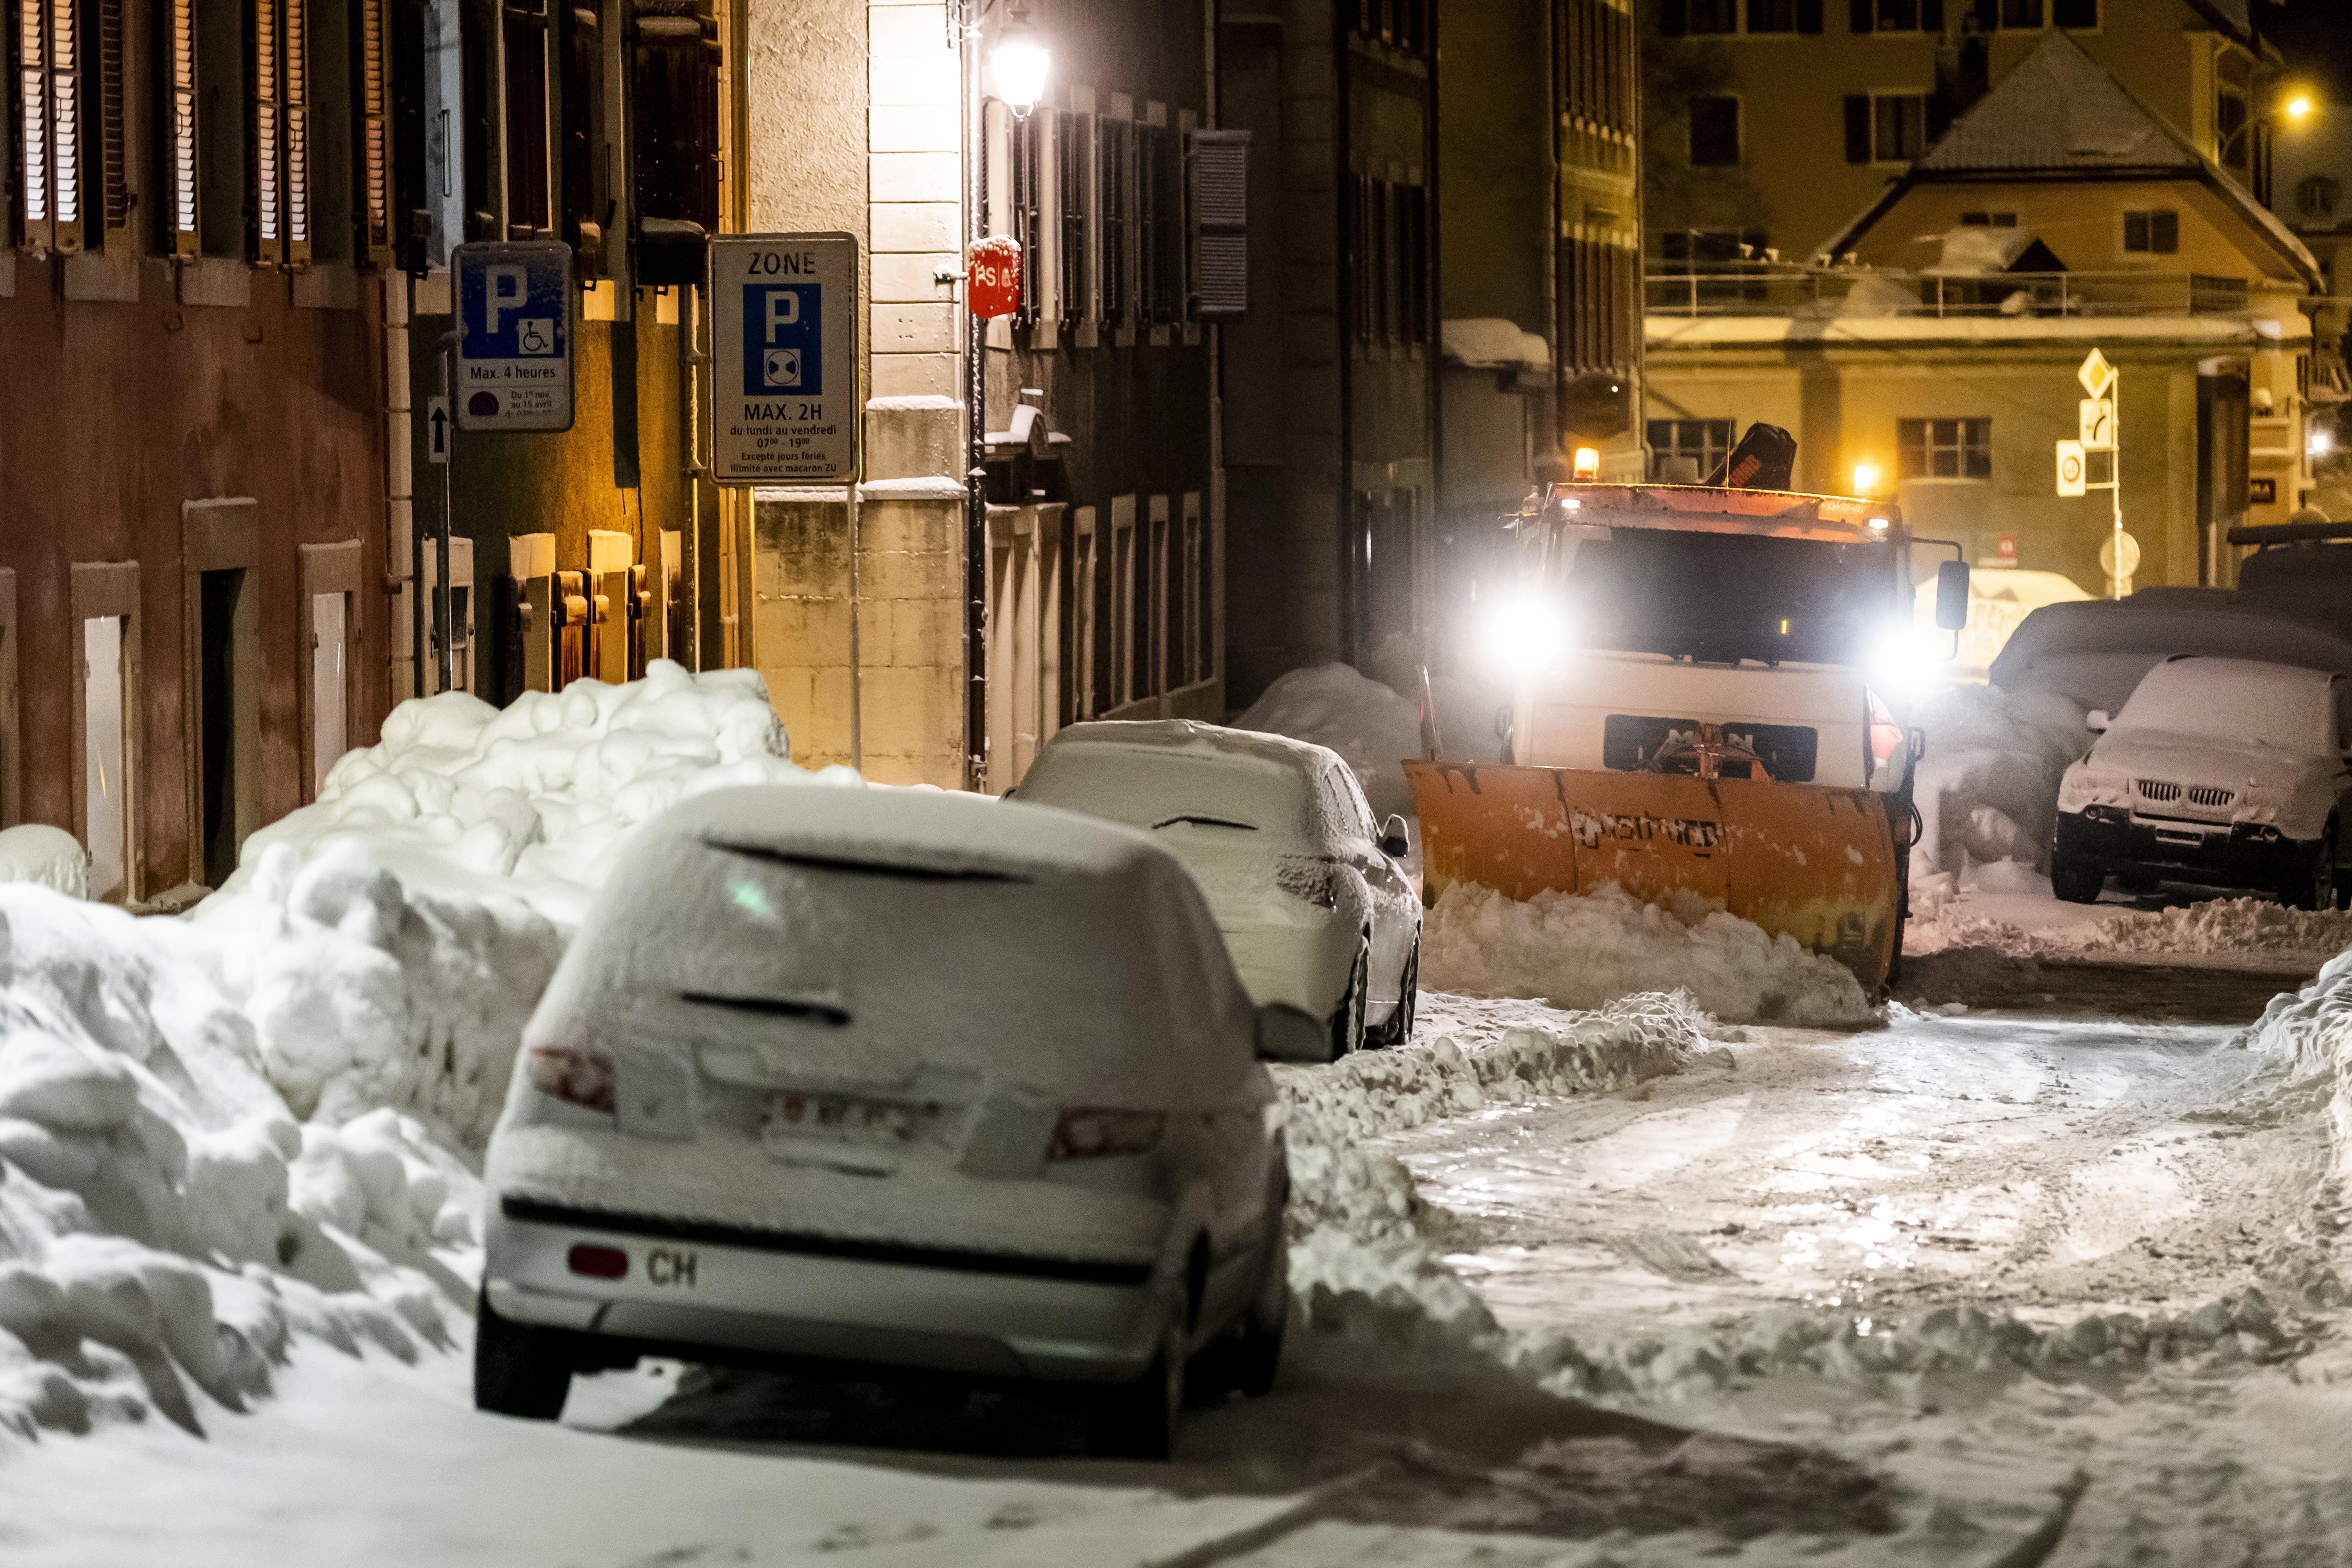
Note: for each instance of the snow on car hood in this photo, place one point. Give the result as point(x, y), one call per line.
point(2198, 759)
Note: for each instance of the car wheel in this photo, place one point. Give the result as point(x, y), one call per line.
point(1398, 1030)
point(1259, 1353)
point(1137, 1420)
point(2076, 881)
point(2313, 886)
point(1347, 1018)
point(519, 1370)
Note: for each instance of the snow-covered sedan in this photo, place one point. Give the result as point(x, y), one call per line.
point(2226, 771)
point(906, 1081)
point(1306, 888)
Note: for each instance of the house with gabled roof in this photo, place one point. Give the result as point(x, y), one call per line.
point(1931, 354)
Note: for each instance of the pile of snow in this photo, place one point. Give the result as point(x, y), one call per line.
point(1372, 1093)
point(2243, 925)
point(163, 1219)
point(47, 856)
point(1373, 728)
point(2311, 1031)
point(1585, 951)
point(366, 993)
point(533, 801)
point(1987, 789)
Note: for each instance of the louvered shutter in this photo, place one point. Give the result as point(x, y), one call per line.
point(674, 105)
point(584, 98)
point(181, 84)
point(36, 195)
point(114, 179)
point(376, 233)
point(523, 129)
point(294, 91)
point(65, 122)
point(264, 154)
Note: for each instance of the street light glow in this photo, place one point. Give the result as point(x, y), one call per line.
point(1865, 478)
point(2298, 106)
point(1020, 61)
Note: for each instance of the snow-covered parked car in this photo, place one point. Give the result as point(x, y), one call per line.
point(908, 1081)
point(1305, 887)
point(2227, 772)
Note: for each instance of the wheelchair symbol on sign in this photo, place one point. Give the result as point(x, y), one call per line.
point(782, 367)
point(535, 336)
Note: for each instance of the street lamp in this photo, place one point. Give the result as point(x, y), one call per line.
point(1019, 62)
point(2297, 106)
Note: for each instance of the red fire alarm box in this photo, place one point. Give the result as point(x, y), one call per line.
point(993, 273)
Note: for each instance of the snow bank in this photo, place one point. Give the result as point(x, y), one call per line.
point(1583, 951)
point(2244, 925)
point(49, 857)
point(1987, 789)
point(1372, 727)
point(2310, 1031)
point(532, 802)
point(164, 1220)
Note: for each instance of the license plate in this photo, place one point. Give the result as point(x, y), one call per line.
point(847, 1131)
point(673, 1267)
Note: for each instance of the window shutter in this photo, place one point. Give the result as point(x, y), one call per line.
point(1073, 135)
point(1674, 18)
point(65, 122)
point(1857, 128)
point(477, 132)
point(374, 130)
point(674, 134)
point(181, 82)
point(295, 89)
point(114, 181)
point(35, 211)
point(1218, 170)
point(523, 133)
point(1809, 15)
point(1858, 16)
point(262, 153)
point(583, 95)
point(1116, 174)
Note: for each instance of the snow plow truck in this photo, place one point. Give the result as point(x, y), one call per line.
point(1693, 713)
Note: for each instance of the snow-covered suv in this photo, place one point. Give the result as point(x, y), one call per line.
point(2220, 771)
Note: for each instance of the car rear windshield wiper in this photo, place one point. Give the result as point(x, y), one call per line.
point(824, 1013)
point(1201, 821)
point(870, 868)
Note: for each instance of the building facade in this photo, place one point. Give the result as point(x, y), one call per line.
point(1772, 122)
point(198, 310)
point(1948, 384)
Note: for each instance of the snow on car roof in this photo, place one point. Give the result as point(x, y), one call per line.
point(2276, 705)
point(916, 829)
point(1195, 739)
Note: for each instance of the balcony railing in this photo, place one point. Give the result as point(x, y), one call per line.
point(1739, 289)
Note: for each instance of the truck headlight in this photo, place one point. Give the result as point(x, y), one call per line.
point(1525, 633)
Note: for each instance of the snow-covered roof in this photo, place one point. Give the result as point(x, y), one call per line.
point(2060, 112)
point(913, 829)
point(1490, 343)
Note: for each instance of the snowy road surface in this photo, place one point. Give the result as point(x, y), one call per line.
point(1813, 1296)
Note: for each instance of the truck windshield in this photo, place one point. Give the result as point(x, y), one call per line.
point(1726, 596)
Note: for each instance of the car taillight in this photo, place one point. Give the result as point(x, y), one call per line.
point(598, 1262)
point(1096, 1134)
point(574, 1074)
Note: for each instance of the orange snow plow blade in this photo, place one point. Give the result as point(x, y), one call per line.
point(1812, 861)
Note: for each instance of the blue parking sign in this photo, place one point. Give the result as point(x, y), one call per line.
point(783, 357)
point(783, 343)
point(514, 304)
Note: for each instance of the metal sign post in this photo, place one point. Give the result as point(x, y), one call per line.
point(783, 359)
point(2101, 424)
point(514, 335)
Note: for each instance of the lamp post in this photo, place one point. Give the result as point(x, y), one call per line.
point(2298, 105)
point(1018, 62)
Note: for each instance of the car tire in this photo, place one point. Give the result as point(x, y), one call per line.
point(519, 1370)
point(2311, 885)
point(1258, 1350)
point(1347, 1018)
point(1137, 1420)
point(1398, 1030)
point(2076, 881)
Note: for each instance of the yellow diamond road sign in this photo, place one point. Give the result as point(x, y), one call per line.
point(2096, 375)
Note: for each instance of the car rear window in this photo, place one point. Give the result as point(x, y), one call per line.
point(1150, 789)
point(2236, 701)
point(1059, 981)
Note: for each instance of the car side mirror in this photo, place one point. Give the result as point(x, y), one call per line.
point(1918, 739)
point(2097, 721)
point(1284, 1034)
point(1394, 839)
point(1952, 596)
